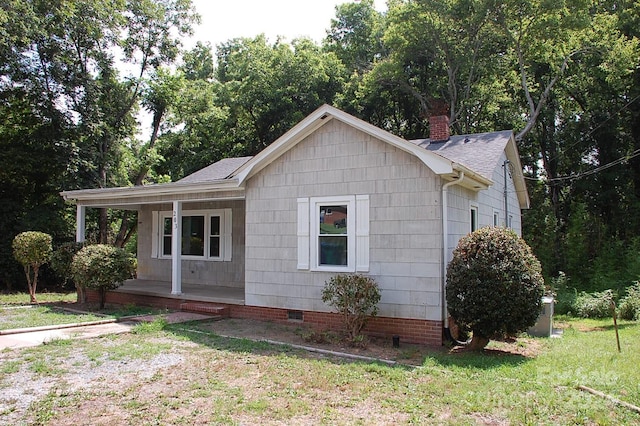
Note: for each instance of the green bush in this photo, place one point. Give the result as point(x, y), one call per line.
point(101, 267)
point(32, 249)
point(356, 298)
point(565, 302)
point(565, 296)
point(594, 305)
point(629, 306)
point(494, 284)
point(62, 258)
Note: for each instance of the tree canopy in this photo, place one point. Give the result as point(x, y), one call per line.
point(77, 76)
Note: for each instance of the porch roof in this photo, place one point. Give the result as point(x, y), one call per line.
point(134, 196)
point(211, 183)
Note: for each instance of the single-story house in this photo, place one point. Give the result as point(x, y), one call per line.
point(261, 235)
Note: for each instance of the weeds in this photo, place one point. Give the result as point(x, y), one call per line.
point(315, 336)
point(629, 306)
point(594, 305)
point(154, 326)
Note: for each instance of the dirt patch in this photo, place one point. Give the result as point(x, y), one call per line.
point(522, 346)
point(301, 335)
point(378, 348)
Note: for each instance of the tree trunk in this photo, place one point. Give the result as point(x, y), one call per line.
point(81, 294)
point(32, 293)
point(478, 343)
point(126, 230)
point(34, 284)
point(103, 296)
point(102, 225)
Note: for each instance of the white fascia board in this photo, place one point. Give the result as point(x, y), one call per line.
point(472, 179)
point(174, 188)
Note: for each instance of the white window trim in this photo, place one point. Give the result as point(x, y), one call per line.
point(496, 218)
point(357, 237)
point(314, 216)
point(225, 234)
point(473, 210)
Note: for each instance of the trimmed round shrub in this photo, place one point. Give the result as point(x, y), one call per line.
point(494, 284)
point(101, 267)
point(32, 249)
point(356, 298)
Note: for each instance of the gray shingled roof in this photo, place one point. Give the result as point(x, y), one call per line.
point(216, 171)
point(480, 152)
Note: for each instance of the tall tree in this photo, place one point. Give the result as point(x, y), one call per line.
point(59, 78)
point(269, 88)
point(355, 35)
point(449, 51)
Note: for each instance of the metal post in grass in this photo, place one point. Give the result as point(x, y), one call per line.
point(615, 322)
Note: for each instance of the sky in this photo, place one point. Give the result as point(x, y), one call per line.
point(226, 19)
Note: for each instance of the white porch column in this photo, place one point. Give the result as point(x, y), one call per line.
point(80, 223)
point(176, 249)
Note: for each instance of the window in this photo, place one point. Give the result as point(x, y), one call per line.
point(206, 234)
point(496, 218)
point(192, 241)
point(295, 316)
point(473, 220)
point(333, 233)
point(214, 237)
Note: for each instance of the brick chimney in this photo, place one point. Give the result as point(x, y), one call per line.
point(439, 128)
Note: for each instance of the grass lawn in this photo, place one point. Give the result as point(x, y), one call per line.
point(166, 375)
point(16, 312)
point(16, 299)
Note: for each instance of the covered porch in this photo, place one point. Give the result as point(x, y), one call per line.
point(190, 234)
point(190, 292)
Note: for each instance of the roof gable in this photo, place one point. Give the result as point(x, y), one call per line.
point(320, 117)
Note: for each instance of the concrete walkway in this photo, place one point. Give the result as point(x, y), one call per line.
point(12, 339)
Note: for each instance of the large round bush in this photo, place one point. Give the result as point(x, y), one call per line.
point(101, 267)
point(494, 284)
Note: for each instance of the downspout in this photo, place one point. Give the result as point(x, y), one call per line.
point(506, 195)
point(445, 250)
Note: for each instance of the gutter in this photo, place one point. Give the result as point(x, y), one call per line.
point(445, 250)
point(481, 181)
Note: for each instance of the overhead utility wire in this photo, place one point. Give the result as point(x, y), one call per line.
point(623, 107)
point(597, 169)
point(592, 171)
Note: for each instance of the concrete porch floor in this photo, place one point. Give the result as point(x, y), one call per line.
point(191, 292)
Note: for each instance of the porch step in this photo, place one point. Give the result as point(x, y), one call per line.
point(204, 308)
